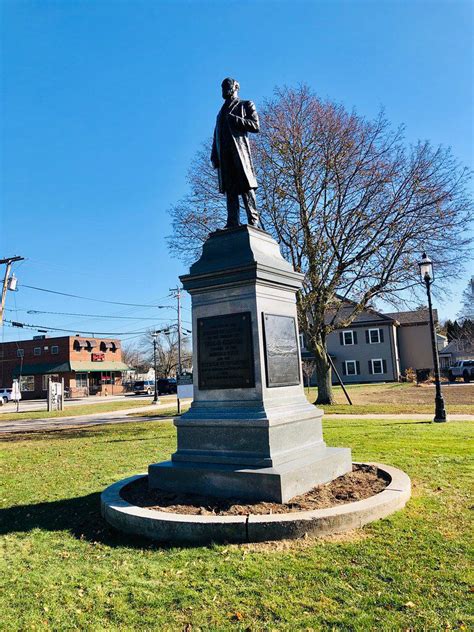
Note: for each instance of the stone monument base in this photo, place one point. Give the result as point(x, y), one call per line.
point(250, 432)
point(277, 484)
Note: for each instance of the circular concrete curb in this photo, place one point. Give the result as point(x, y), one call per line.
point(191, 529)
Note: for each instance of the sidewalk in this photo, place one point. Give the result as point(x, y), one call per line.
point(422, 416)
point(79, 421)
point(126, 416)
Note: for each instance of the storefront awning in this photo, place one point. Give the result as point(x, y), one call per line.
point(43, 368)
point(98, 367)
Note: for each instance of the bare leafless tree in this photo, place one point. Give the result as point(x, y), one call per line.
point(467, 306)
point(134, 357)
point(351, 204)
point(308, 365)
point(167, 351)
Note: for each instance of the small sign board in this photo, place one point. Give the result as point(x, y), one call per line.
point(16, 394)
point(225, 352)
point(184, 379)
point(55, 395)
point(98, 357)
point(185, 386)
point(281, 350)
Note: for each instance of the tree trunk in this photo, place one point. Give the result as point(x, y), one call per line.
point(323, 374)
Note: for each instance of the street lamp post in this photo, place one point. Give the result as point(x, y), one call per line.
point(156, 399)
point(427, 276)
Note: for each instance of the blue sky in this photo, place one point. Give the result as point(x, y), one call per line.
point(106, 102)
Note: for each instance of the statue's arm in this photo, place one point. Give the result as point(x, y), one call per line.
point(248, 124)
point(214, 154)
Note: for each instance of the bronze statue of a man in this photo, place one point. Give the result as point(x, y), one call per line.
point(231, 153)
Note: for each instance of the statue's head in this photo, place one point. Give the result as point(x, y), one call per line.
point(230, 88)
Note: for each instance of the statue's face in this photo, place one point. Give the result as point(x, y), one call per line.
point(228, 89)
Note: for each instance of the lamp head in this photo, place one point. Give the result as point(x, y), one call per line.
point(426, 268)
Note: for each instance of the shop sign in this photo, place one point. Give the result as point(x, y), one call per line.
point(98, 357)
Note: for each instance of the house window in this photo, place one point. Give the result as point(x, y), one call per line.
point(373, 336)
point(20, 353)
point(302, 344)
point(54, 350)
point(351, 367)
point(37, 351)
point(27, 383)
point(348, 337)
point(81, 380)
point(45, 379)
point(377, 367)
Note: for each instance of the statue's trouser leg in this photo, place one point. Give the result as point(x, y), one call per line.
point(250, 203)
point(233, 210)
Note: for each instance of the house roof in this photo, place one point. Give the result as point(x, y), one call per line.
point(458, 346)
point(98, 367)
point(43, 368)
point(368, 315)
point(415, 317)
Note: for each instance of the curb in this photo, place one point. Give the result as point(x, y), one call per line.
point(187, 529)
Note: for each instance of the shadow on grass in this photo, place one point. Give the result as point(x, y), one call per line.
point(80, 516)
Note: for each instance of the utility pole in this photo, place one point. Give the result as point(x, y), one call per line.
point(177, 293)
point(155, 334)
point(8, 261)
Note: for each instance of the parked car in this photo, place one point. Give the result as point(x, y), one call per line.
point(6, 395)
point(144, 387)
point(167, 386)
point(461, 368)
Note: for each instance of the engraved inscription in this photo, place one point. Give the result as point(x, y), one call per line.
point(225, 354)
point(281, 350)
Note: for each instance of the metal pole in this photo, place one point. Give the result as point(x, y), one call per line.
point(339, 378)
point(8, 261)
point(155, 397)
point(440, 411)
point(178, 296)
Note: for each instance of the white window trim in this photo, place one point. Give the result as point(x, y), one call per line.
point(55, 352)
point(46, 377)
point(31, 382)
point(35, 350)
point(374, 372)
point(354, 362)
point(347, 331)
point(371, 342)
point(83, 381)
point(302, 345)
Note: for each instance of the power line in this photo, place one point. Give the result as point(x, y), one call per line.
point(39, 311)
point(13, 323)
point(96, 300)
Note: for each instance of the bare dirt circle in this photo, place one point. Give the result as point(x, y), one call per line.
point(363, 482)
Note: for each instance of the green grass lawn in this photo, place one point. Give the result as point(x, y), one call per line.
point(397, 398)
point(61, 568)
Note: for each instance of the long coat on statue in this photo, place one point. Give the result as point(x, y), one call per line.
point(231, 148)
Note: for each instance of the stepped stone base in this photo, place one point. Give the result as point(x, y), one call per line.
point(278, 484)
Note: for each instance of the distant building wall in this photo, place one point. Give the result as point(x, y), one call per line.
point(372, 355)
point(414, 342)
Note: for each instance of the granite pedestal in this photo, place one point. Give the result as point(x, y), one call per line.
point(250, 432)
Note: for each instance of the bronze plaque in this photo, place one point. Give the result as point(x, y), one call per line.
point(225, 352)
point(281, 350)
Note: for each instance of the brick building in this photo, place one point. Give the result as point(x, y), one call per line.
point(89, 366)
